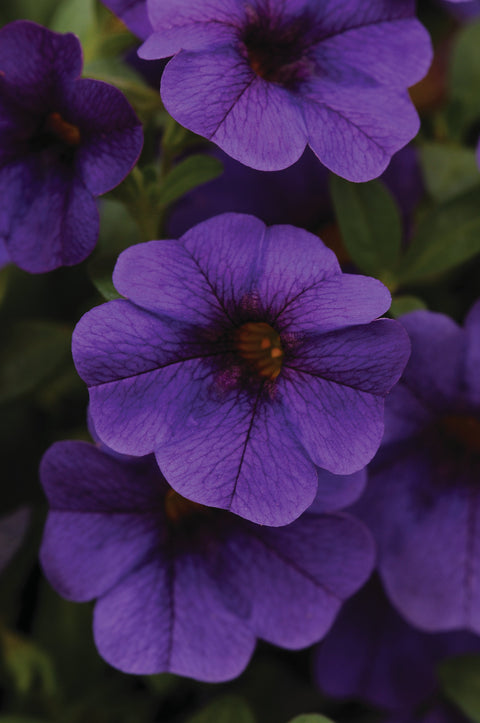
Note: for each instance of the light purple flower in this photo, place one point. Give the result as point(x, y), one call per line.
point(372, 654)
point(264, 78)
point(423, 497)
point(63, 141)
point(181, 587)
point(134, 15)
point(244, 359)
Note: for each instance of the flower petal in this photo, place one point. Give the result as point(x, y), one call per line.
point(178, 624)
point(435, 370)
point(186, 25)
point(48, 218)
point(134, 15)
point(353, 131)
point(111, 133)
point(237, 452)
point(217, 95)
point(31, 78)
point(316, 560)
point(424, 515)
point(336, 491)
point(395, 52)
point(194, 281)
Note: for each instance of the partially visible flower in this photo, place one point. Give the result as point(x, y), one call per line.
point(423, 497)
point(372, 654)
point(244, 359)
point(63, 141)
point(134, 15)
point(263, 79)
point(182, 587)
point(12, 531)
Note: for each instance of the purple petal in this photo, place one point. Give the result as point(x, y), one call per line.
point(106, 535)
point(334, 388)
point(237, 452)
point(217, 95)
point(434, 372)
point(341, 15)
point(32, 78)
point(177, 624)
point(316, 560)
point(134, 15)
point(105, 547)
point(353, 131)
point(4, 255)
point(424, 514)
point(48, 218)
point(194, 280)
point(372, 654)
point(337, 491)
point(111, 133)
point(186, 25)
point(396, 53)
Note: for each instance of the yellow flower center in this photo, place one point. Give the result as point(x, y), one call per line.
point(260, 346)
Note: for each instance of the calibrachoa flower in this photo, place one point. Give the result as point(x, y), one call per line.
point(264, 78)
point(372, 654)
point(12, 531)
point(182, 587)
point(244, 359)
point(422, 501)
point(63, 141)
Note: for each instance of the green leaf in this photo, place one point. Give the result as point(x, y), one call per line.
point(370, 224)
point(448, 170)
point(464, 75)
point(447, 236)
point(311, 718)
point(32, 351)
point(229, 709)
point(118, 231)
point(405, 304)
point(27, 664)
point(39, 12)
point(460, 679)
point(188, 174)
point(75, 16)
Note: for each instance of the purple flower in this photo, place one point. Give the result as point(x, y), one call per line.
point(243, 358)
point(422, 501)
point(181, 587)
point(12, 531)
point(63, 141)
point(265, 78)
point(134, 15)
point(372, 654)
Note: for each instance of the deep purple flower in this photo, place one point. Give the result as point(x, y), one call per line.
point(181, 587)
point(372, 654)
point(134, 15)
point(63, 141)
point(423, 499)
point(265, 78)
point(243, 358)
point(12, 531)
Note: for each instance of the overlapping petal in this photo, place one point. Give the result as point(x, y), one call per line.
point(133, 13)
point(47, 217)
point(424, 515)
point(217, 95)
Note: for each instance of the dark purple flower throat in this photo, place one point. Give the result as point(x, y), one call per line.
point(277, 47)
